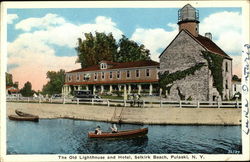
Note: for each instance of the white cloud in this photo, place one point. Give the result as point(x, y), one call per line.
point(226, 30)
point(11, 18)
point(155, 39)
point(45, 22)
point(33, 51)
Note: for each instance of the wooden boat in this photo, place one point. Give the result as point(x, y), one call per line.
point(24, 118)
point(126, 133)
point(20, 113)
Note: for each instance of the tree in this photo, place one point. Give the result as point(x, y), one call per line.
point(27, 91)
point(9, 81)
point(55, 83)
point(131, 51)
point(96, 48)
point(236, 78)
point(93, 49)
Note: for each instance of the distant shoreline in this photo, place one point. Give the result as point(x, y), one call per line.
point(131, 115)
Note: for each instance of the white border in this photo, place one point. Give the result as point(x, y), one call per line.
point(115, 4)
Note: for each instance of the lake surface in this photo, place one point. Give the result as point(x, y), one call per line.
point(65, 136)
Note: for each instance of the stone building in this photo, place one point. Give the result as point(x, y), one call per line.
point(111, 77)
point(196, 58)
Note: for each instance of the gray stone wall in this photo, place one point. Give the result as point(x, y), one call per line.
point(184, 52)
point(227, 79)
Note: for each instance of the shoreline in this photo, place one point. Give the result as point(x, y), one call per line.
point(131, 115)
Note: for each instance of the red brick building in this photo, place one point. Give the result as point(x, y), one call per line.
point(109, 77)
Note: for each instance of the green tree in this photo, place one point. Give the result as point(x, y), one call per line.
point(55, 83)
point(129, 50)
point(236, 78)
point(27, 91)
point(93, 49)
point(9, 81)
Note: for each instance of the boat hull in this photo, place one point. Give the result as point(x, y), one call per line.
point(120, 134)
point(22, 118)
point(22, 114)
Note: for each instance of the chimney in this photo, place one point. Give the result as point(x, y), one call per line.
point(208, 35)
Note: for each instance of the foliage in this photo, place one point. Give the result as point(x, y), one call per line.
point(166, 78)
point(236, 78)
point(96, 48)
point(27, 91)
point(182, 97)
point(100, 46)
point(215, 65)
point(129, 51)
point(9, 81)
point(55, 83)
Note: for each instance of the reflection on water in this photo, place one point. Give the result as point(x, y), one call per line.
point(64, 136)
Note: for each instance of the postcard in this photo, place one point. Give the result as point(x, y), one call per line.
point(125, 81)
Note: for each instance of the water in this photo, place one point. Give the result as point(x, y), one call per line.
point(64, 136)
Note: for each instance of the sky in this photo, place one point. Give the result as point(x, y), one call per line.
point(44, 39)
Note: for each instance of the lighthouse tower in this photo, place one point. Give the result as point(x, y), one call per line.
point(188, 18)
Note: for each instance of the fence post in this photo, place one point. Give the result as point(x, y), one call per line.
point(160, 103)
point(63, 100)
point(218, 104)
point(77, 101)
point(108, 102)
point(143, 102)
point(198, 104)
point(28, 99)
point(92, 101)
point(51, 100)
point(180, 104)
point(124, 103)
point(237, 103)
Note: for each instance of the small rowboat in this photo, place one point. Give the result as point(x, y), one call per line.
point(20, 113)
point(127, 133)
point(24, 118)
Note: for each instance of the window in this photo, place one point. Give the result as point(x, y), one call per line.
point(95, 76)
point(147, 72)
point(137, 73)
point(70, 78)
point(103, 75)
point(226, 85)
point(226, 67)
point(128, 74)
point(110, 75)
point(103, 66)
point(235, 87)
point(78, 77)
point(118, 74)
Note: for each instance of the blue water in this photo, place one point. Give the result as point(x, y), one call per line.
point(65, 136)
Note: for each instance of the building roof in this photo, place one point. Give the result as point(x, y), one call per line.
point(205, 42)
point(117, 65)
point(211, 46)
point(111, 82)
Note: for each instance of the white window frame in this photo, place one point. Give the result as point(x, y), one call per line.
point(110, 75)
point(147, 73)
point(103, 66)
point(95, 76)
point(118, 73)
point(137, 70)
point(128, 72)
point(103, 75)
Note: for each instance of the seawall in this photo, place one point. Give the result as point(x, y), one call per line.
point(182, 116)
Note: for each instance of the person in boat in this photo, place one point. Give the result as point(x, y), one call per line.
point(114, 128)
point(98, 130)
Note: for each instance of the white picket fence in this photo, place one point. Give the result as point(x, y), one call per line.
point(130, 103)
